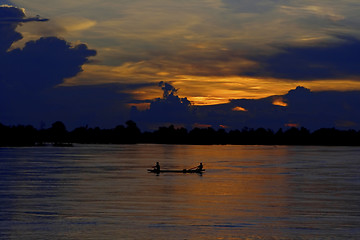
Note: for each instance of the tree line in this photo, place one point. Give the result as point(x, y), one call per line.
point(58, 135)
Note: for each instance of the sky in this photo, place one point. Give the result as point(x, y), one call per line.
point(206, 63)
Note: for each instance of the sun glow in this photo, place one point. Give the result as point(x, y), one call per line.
point(200, 90)
point(280, 102)
point(239, 109)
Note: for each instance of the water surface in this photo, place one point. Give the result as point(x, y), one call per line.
point(247, 192)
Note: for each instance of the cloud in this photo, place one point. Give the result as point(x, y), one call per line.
point(10, 18)
point(206, 48)
point(7, 28)
point(298, 107)
point(5, 2)
point(170, 109)
point(320, 11)
point(200, 90)
point(196, 38)
point(337, 60)
point(11, 14)
point(30, 79)
point(44, 63)
point(250, 6)
point(74, 24)
point(304, 108)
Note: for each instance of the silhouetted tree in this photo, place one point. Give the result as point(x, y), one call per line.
point(17, 135)
point(58, 133)
point(29, 136)
point(80, 135)
point(170, 135)
point(132, 132)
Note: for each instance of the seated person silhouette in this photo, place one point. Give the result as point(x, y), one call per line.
point(157, 167)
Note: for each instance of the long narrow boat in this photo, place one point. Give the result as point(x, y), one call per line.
point(176, 171)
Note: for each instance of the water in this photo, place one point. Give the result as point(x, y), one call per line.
point(247, 192)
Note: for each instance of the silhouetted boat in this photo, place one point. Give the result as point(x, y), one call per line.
point(176, 171)
point(63, 145)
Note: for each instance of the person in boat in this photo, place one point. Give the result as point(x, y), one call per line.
point(200, 167)
point(157, 167)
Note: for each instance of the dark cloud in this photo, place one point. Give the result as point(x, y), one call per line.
point(44, 63)
point(323, 109)
point(10, 18)
point(11, 14)
point(168, 91)
point(29, 79)
point(7, 28)
point(328, 61)
point(312, 110)
point(170, 109)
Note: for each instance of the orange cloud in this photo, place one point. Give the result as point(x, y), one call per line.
point(241, 109)
point(200, 90)
point(279, 102)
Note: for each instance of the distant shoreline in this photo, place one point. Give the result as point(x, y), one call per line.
point(57, 135)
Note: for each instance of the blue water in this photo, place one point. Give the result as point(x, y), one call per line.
point(247, 192)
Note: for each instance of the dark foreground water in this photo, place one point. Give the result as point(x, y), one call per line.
point(247, 192)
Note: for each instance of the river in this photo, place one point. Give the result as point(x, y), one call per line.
point(246, 192)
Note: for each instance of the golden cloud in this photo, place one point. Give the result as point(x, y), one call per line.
point(279, 102)
point(239, 109)
point(200, 90)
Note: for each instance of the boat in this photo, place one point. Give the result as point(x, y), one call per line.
point(58, 144)
point(176, 171)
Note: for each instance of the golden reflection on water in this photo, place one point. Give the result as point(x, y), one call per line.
point(236, 186)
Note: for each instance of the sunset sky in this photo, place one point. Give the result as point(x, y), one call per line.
point(228, 63)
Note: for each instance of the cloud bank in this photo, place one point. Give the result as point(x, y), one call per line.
point(299, 107)
point(211, 50)
point(337, 60)
point(30, 79)
point(144, 42)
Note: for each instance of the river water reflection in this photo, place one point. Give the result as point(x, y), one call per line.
point(247, 192)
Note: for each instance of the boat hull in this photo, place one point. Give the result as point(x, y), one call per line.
point(176, 171)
